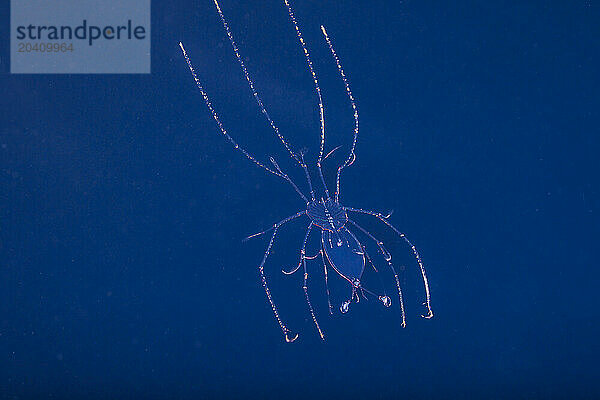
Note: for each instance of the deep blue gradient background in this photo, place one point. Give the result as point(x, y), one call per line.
point(122, 209)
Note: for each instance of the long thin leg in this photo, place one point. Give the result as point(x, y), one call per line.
point(284, 329)
point(252, 86)
point(388, 258)
point(383, 219)
point(310, 186)
point(224, 131)
point(287, 178)
point(317, 89)
point(351, 155)
point(326, 283)
point(268, 230)
point(302, 254)
point(305, 285)
point(384, 299)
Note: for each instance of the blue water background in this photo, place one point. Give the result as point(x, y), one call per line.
point(122, 208)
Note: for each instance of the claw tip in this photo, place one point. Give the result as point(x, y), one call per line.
point(288, 340)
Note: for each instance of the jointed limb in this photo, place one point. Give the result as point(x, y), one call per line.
point(351, 155)
point(388, 258)
point(326, 282)
point(284, 328)
point(305, 285)
point(383, 219)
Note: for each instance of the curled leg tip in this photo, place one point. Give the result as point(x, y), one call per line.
point(429, 315)
point(291, 271)
point(385, 300)
point(288, 339)
point(345, 306)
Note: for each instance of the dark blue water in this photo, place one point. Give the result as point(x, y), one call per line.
point(122, 208)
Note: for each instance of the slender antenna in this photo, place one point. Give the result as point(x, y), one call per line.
point(310, 186)
point(251, 84)
point(224, 131)
point(258, 99)
point(216, 116)
point(317, 88)
point(351, 156)
point(287, 178)
point(331, 152)
point(256, 234)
